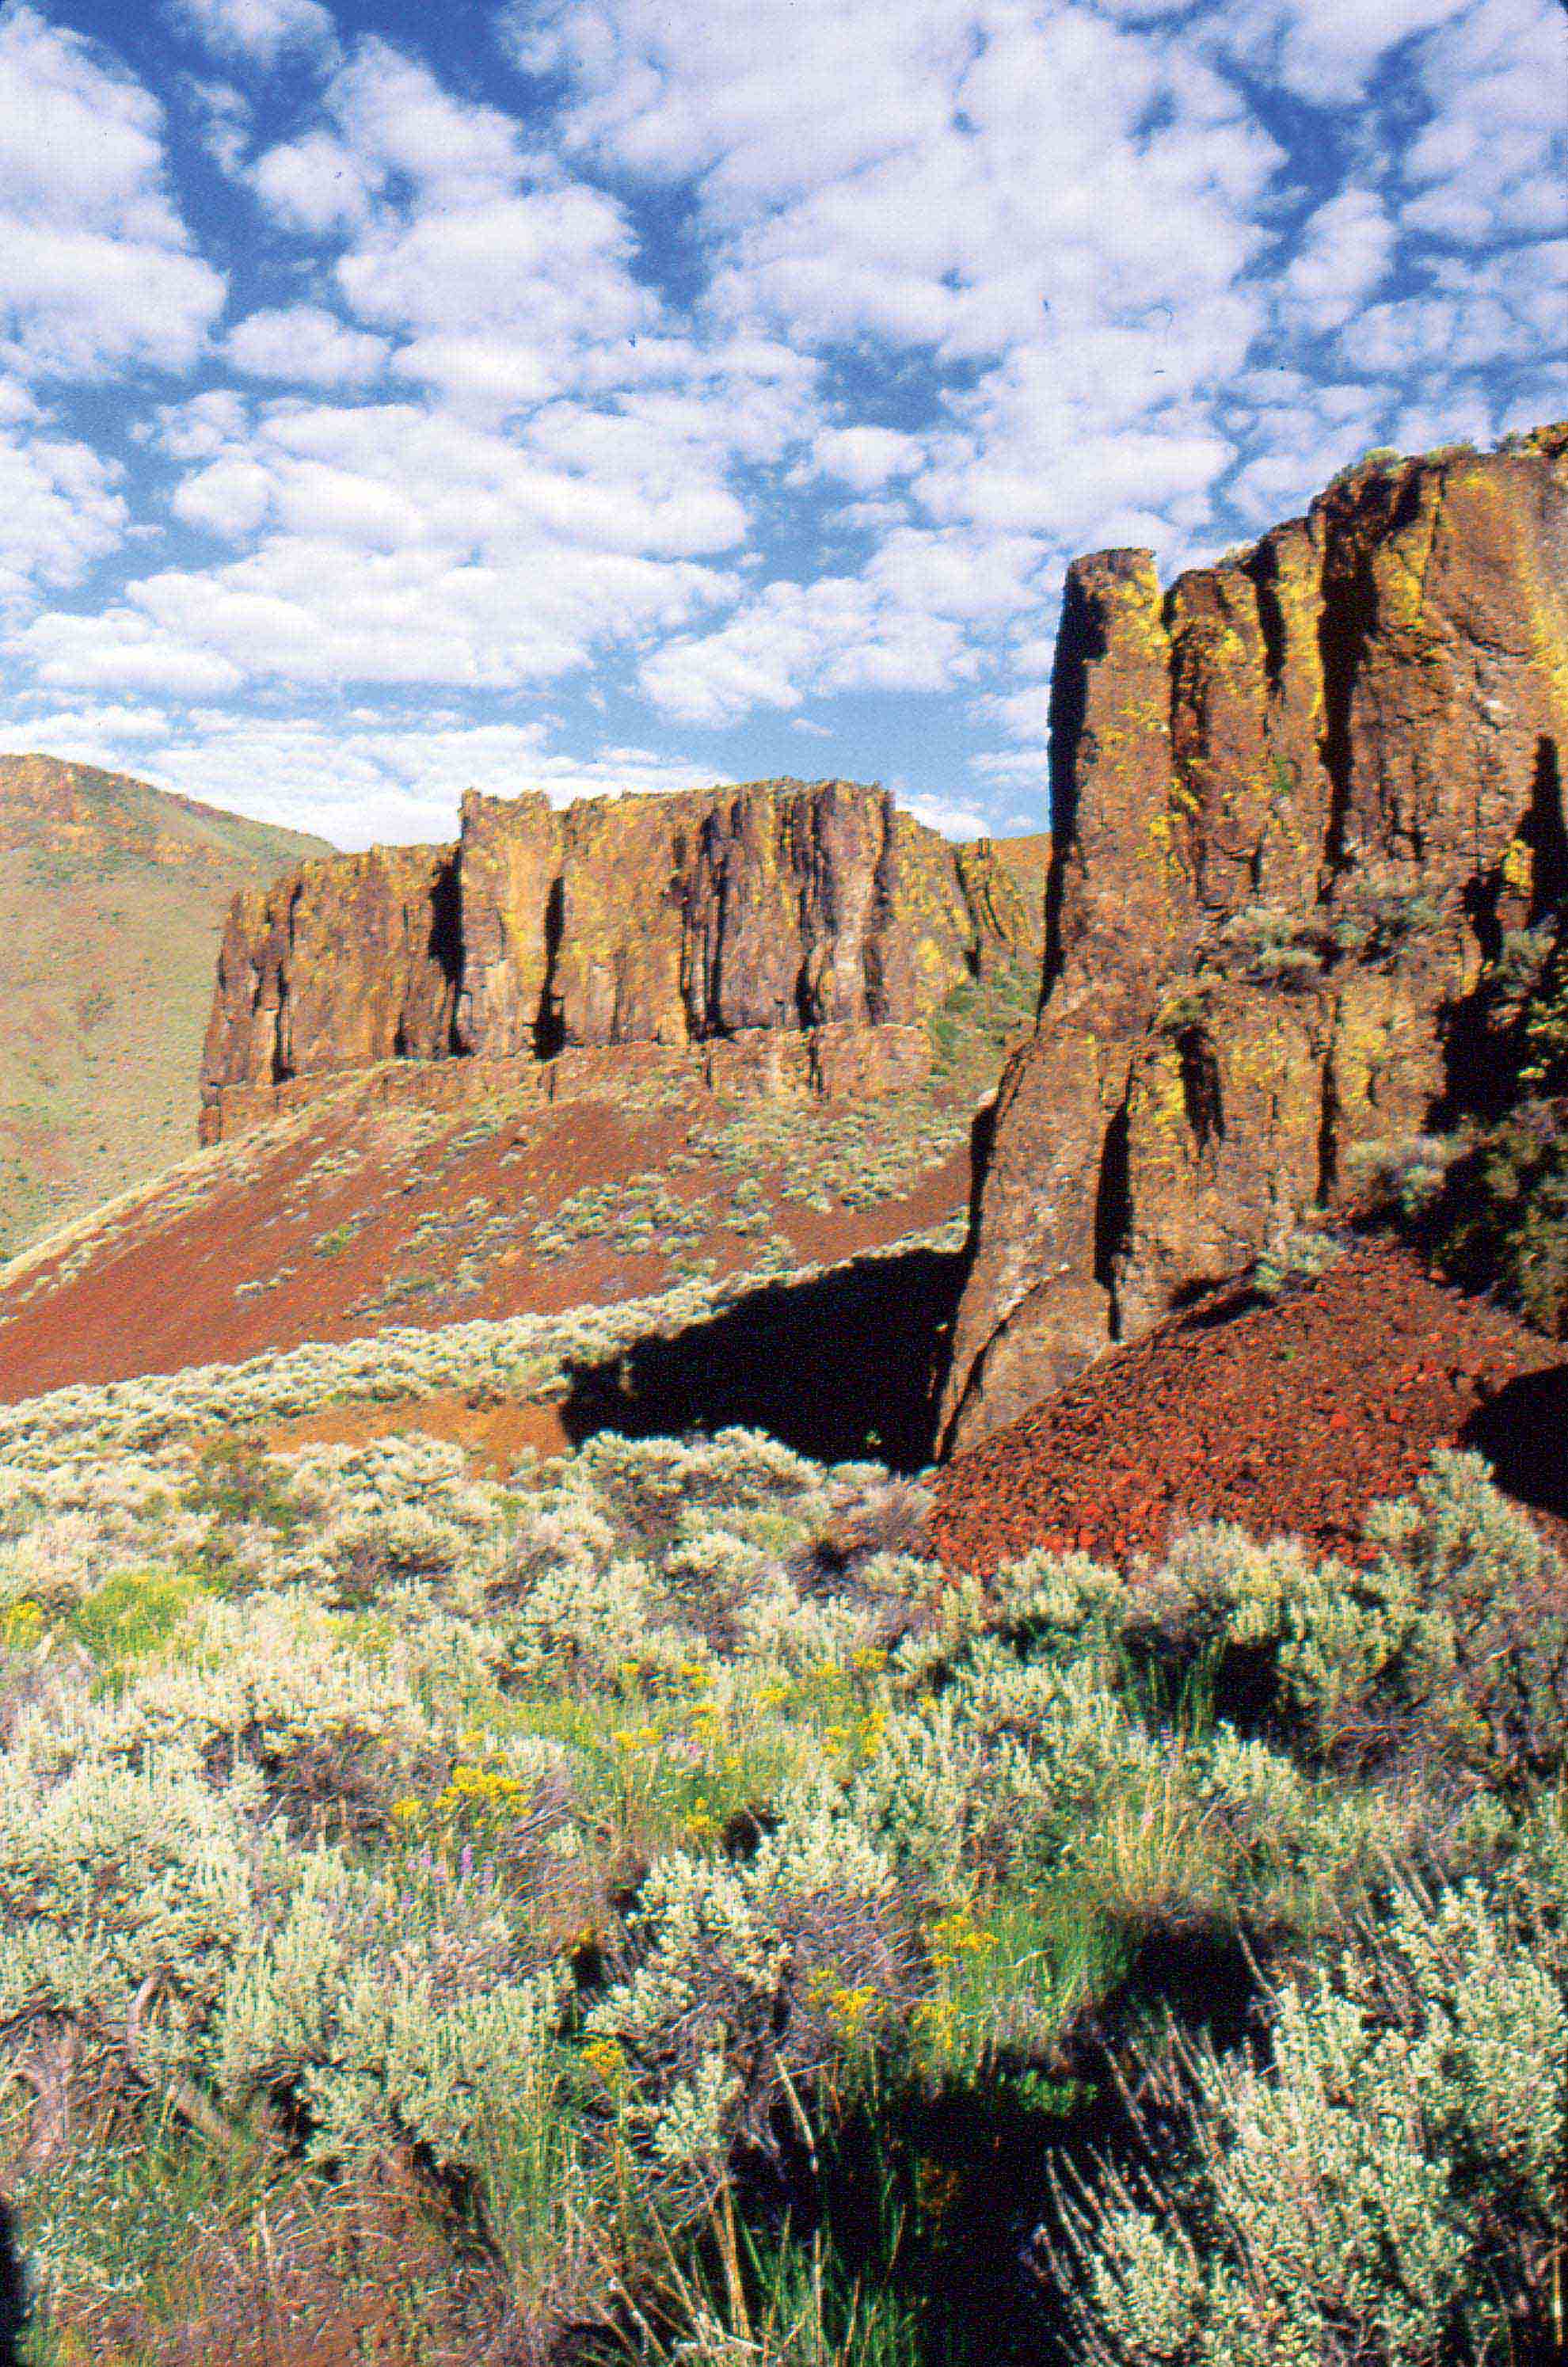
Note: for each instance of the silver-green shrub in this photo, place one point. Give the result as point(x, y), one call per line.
point(1381, 2182)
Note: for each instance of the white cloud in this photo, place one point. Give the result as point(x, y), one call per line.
point(1084, 485)
point(63, 731)
point(507, 280)
point(548, 265)
point(226, 121)
point(395, 475)
point(394, 112)
point(358, 779)
point(346, 590)
point(1493, 160)
point(790, 357)
point(389, 118)
point(891, 181)
point(1515, 315)
point(763, 101)
point(230, 498)
point(949, 815)
point(865, 458)
point(117, 650)
point(202, 427)
point(1344, 253)
point(303, 343)
point(116, 738)
point(315, 184)
point(1025, 769)
point(1323, 50)
point(1023, 714)
point(839, 634)
point(1066, 207)
point(257, 29)
point(60, 511)
point(95, 266)
point(493, 375)
point(16, 403)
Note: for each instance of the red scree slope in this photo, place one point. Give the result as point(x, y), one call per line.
point(1290, 1418)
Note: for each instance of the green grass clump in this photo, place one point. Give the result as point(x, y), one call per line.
point(132, 1613)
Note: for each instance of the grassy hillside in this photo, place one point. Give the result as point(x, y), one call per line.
point(112, 895)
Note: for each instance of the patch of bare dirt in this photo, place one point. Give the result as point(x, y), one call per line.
point(497, 1437)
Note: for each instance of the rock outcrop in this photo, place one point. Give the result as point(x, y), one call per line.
point(348, 960)
point(726, 917)
point(1300, 803)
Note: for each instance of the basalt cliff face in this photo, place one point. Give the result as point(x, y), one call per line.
point(798, 932)
point(1301, 802)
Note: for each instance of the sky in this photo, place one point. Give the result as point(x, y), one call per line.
point(628, 394)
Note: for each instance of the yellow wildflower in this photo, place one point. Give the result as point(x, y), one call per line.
point(608, 2060)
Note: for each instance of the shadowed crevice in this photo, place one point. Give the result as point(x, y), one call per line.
point(1080, 641)
point(1545, 833)
point(549, 1031)
point(1521, 1431)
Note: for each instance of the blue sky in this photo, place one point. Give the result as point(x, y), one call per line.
point(598, 394)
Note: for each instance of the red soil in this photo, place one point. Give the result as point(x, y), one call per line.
point(1290, 1418)
point(496, 1436)
point(244, 1257)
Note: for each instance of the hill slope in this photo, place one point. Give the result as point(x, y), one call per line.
point(112, 900)
point(365, 1210)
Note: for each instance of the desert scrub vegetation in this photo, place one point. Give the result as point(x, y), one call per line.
point(528, 1358)
point(655, 1901)
point(640, 1216)
point(825, 1156)
point(1488, 1198)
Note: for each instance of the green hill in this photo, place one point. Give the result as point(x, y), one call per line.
point(112, 895)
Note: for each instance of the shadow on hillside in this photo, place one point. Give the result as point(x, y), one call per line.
point(1523, 1433)
point(847, 1366)
point(13, 2288)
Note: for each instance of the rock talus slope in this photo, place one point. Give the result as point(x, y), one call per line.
point(720, 916)
point(1299, 801)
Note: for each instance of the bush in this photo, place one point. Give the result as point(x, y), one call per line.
point(1500, 1222)
point(662, 1871)
point(1447, 1652)
point(1378, 2182)
point(1302, 1255)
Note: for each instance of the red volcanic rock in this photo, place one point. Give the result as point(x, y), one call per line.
point(1290, 1417)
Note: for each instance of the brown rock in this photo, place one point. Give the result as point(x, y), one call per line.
point(1296, 805)
point(811, 911)
point(343, 962)
point(510, 923)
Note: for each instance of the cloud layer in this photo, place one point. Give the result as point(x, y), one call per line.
point(603, 394)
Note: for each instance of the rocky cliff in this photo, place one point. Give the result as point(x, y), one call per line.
point(1301, 801)
point(727, 916)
